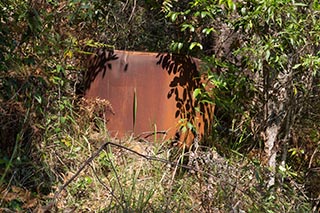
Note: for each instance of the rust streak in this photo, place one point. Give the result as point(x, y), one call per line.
point(164, 85)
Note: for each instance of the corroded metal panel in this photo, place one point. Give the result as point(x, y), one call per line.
point(149, 92)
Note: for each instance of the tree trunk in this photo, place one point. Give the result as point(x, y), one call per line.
point(270, 148)
point(278, 119)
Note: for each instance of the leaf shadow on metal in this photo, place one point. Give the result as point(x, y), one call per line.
point(182, 78)
point(187, 78)
point(99, 62)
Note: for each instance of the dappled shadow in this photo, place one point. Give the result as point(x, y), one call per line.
point(180, 81)
point(187, 79)
point(98, 62)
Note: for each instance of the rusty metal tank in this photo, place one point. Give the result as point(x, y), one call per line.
point(149, 93)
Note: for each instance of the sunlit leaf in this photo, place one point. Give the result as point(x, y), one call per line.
point(190, 125)
point(267, 55)
point(196, 92)
point(38, 98)
point(296, 66)
point(295, 91)
point(195, 44)
point(68, 54)
point(187, 26)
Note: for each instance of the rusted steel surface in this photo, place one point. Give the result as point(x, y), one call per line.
point(149, 92)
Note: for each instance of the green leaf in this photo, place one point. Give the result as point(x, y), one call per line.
point(300, 4)
point(316, 5)
point(267, 55)
point(63, 120)
point(295, 91)
point(57, 130)
point(173, 16)
point(204, 14)
point(180, 45)
point(186, 26)
point(207, 31)
point(38, 98)
point(231, 5)
point(296, 66)
point(135, 106)
point(194, 44)
point(282, 168)
point(59, 68)
point(184, 129)
point(196, 92)
point(190, 125)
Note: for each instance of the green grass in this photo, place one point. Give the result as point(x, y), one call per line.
point(142, 177)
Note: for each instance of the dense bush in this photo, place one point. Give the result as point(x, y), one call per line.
point(263, 60)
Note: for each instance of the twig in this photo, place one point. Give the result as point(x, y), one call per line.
point(133, 10)
point(104, 147)
point(312, 156)
point(115, 173)
point(150, 133)
point(61, 188)
point(106, 187)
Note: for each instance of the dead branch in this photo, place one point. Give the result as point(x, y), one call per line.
point(48, 207)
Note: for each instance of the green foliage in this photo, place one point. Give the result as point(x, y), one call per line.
point(273, 37)
point(46, 130)
point(264, 69)
point(195, 20)
point(37, 80)
point(43, 47)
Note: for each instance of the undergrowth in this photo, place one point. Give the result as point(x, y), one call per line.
point(138, 176)
point(48, 134)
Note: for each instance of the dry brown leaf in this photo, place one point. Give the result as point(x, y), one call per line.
point(8, 196)
point(30, 203)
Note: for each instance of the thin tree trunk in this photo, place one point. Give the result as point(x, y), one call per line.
point(272, 133)
point(278, 114)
